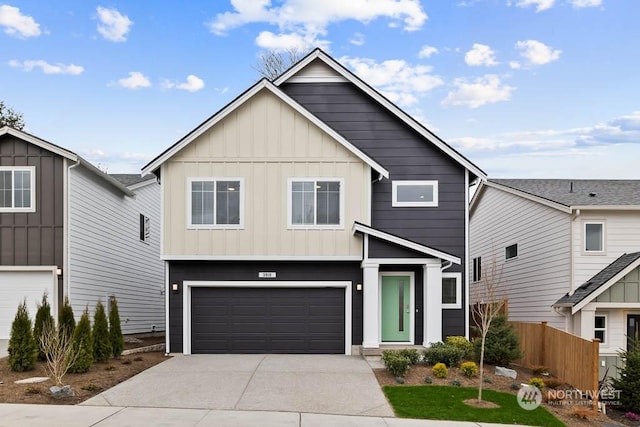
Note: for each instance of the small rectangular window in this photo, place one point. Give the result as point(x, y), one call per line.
point(477, 269)
point(17, 189)
point(145, 228)
point(414, 193)
point(511, 251)
point(451, 290)
point(594, 237)
point(600, 329)
point(315, 202)
point(215, 202)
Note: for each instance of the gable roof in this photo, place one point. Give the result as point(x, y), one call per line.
point(319, 54)
point(131, 179)
point(603, 280)
point(365, 229)
point(46, 145)
point(262, 84)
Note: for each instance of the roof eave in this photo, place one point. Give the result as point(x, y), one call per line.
point(529, 196)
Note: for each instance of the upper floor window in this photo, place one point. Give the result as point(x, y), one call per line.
point(451, 290)
point(145, 228)
point(414, 193)
point(600, 328)
point(477, 269)
point(511, 251)
point(215, 202)
point(315, 202)
point(594, 237)
point(17, 189)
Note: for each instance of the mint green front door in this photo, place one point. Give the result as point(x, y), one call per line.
point(396, 307)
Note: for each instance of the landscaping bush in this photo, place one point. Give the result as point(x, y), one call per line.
point(396, 363)
point(101, 343)
point(83, 344)
point(115, 332)
point(462, 343)
point(469, 369)
point(411, 354)
point(43, 320)
point(539, 369)
point(502, 345)
point(23, 350)
point(66, 321)
point(537, 382)
point(443, 353)
point(553, 383)
point(628, 381)
point(440, 370)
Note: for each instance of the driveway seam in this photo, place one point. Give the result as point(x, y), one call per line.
point(108, 416)
point(249, 382)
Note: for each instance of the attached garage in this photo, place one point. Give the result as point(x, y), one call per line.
point(284, 317)
point(17, 285)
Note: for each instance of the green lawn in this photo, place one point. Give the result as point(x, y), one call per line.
point(446, 403)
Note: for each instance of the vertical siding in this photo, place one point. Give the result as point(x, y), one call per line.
point(626, 289)
point(540, 275)
point(106, 256)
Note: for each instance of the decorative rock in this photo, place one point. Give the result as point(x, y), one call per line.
point(32, 380)
point(60, 392)
point(506, 372)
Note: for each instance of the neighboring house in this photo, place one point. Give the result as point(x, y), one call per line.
point(568, 251)
point(71, 230)
point(311, 215)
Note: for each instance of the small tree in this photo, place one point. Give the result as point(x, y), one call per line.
point(66, 321)
point(628, 382)
point(115, 331)
point(502, 345)
point(272, 64)
point(59, 351)
point(83, 344)
point(43, 320)
point(101, 344)
point(11, 118)
point(23, 349)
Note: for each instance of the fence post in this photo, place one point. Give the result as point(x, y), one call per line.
point(543, 346)
point(595, 361)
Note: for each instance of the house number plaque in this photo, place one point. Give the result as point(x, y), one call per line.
point(266, 274)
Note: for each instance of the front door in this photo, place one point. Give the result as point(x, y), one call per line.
point(633, 329)
point(395, 308)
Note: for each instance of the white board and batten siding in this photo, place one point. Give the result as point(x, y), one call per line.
point(106, 256)
point(540, 274)
point(266, 143)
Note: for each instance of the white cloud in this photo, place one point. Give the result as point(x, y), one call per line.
point(292, 41)
point(399, 81)
point(480, 54)
point(17, 24)
point(136, 80)
point(473, 94)
point(113, 25)
point(515, 65)
point(539, 4)
point(192, 84)
point(585, 3)
point(47, 68)
point(427, 51)
point(357, 39)
point(537, 53)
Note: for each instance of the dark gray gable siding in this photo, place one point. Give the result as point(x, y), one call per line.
point(382, 249)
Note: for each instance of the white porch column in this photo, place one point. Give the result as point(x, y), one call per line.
point(432, 307)
point(587, 322)
point(370, 305)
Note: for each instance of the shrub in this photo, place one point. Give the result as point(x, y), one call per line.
point(396, 364)
point(537, 382)
point(66, 321)
point(83, 344)
point(440, 370)
point(502, 345)
point(101, 343)
point(23, 349)
point(115, 332)
point(539, 370)
point(469, 369)
point(628, 381)
point(552, 383)
point(411, 354)
point(59, 351)
point(443, 353)
point(462, 343)
point(43, 320)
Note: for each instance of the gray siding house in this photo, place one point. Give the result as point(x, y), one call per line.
point(73, 231)
point(312, 215)
point(568, 251)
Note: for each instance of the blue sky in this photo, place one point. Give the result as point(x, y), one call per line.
point(523, 88)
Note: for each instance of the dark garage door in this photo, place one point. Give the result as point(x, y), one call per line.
point(267, 320)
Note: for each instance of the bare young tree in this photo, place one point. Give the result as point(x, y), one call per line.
point(273, 63)
point(59, 351)
point(487, 306)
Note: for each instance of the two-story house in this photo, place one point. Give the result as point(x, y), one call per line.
point(71, 230)
point(568, 251)
point(312, 215)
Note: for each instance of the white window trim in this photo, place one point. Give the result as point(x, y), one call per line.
point(292, 226)
point(214, 226)
point(604, 343)
point(458, 277)
point(394, 194)
point(32, 171)
point(517, 252)
point(584, 237)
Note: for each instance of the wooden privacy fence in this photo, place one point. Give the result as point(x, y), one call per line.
point(570, 358)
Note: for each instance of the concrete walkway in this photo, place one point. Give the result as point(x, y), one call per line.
point(113, 416)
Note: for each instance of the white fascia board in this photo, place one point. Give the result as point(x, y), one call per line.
point(579, 306)
point(264, 84)
point(476, 196)
point(106, 177)
point(142, 184)
point(359, 228)
point(6, 130)
point(606, 207)
point(533, 198)
point(318, 54)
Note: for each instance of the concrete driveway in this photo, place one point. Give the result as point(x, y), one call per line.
point(326, 384)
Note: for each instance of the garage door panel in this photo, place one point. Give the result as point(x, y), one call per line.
point(268, 320)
